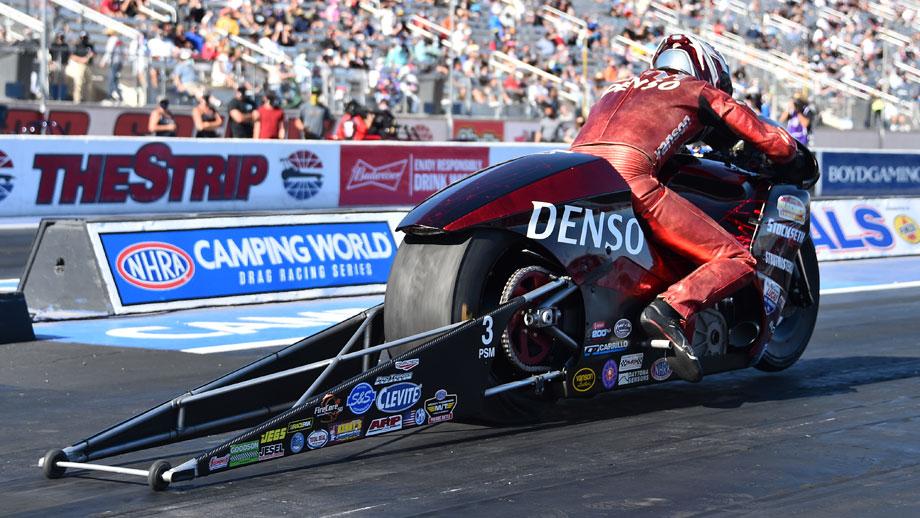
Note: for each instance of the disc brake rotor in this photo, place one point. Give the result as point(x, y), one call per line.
point(525, 347)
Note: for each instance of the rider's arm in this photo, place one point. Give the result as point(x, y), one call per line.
point(773, 141)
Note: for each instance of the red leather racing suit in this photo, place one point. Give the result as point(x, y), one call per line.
point(637, 125)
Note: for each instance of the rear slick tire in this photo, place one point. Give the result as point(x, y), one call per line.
point(433, 284)
point(791, 336)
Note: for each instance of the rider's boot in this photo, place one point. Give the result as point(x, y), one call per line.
point(660, 319)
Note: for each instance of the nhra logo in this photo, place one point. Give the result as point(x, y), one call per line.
point(155, 266)
point(386, 176)
point(6, 180)
point(302, 175)
point(398, 397)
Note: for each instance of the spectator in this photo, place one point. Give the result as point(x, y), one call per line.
point(797, 118)
point(185, 76)
point(241, 110)
point(268, 120)
point(60, 57)
point(354, 123)
point(113, 61)
point(315, 119)
point(78, 67)
point(162, 123)
point(549, 125)
point(207, 119)
point(227, 22)
point(222, 72)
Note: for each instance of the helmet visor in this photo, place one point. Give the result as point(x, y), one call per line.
point(675, 59)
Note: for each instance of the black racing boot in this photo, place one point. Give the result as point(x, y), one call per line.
point(659, 319)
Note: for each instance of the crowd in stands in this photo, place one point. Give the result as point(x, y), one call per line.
point(381, 53)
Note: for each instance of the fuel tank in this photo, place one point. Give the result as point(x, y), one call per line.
point(509, 188)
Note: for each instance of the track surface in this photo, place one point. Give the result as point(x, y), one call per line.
point(837, 434)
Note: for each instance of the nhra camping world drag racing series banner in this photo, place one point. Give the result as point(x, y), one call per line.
point(175, 264)
point(870, 173)
point(862, 228)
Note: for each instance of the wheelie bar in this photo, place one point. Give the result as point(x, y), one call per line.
point(442, 378)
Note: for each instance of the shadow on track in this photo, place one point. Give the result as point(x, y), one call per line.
point(809, 378)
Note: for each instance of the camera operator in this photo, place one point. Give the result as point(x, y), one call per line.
point(384, 123)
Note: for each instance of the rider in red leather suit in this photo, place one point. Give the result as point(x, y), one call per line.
point(637, 126)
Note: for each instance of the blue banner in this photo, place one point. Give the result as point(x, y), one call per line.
point(864, 174)
point(173, 265)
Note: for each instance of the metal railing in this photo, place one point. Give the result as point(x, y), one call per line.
point(33, 24)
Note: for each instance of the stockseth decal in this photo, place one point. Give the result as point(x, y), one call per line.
point(361, 398)
point(622, 328)
point(609, 374)
point(583, 380)
point(317, 439)
point(398, 397)
point(779, 229)
point(155, 266)
point(660, 370)
point(393, 378)
point(384, 424)
point(608, 348)
point(630, 362)
point(791, 208)
point(611, 232)
point(630, 377)
point(297, 442)
point(440, 408)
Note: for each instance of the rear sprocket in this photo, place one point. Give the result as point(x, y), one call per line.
point(528, 349)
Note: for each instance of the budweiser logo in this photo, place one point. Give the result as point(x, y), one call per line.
point(386, 176)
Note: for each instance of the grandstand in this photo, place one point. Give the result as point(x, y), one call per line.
point(857, 62)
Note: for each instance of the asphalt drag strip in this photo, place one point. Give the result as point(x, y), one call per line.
point(837, 434)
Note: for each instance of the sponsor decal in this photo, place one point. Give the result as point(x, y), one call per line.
point(271, 451)
point(584, 379)
point(782, 230)
point(244, 453)
point(155, 266)
point(403, 175)
point(626, 378)
point(643, 84)
point(599, 330)
point(184, 264)
point(581, 226)
point(151, 174)
point(660, 369)
point(440, 408)
point(361, 398)
point(771, 295)
point(622, 328)
point(216, 463)
point(393, 378)
point(630, 362)
point(904, 225)
point(672, 137)
point(6, 180)
point(345, 431)
point(273, 435)
point(609, 374)
point(414, 417)
point(302, 425)
point(329, 410)
point(302, 174)
point(486, 353)
point(608, 348)
point(850, 228)
point(398, 397)
point(791, 208)
point(406, 365)
point(317, 439)
point(861, 174)
point(297, 442)
point(384, 424)
point(778, 261)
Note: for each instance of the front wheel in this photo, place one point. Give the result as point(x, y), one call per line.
point(794, 329)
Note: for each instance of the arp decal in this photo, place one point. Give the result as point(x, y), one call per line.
point(384, 424)
point(582, 227)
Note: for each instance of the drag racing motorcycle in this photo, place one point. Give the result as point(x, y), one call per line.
point(514, 287)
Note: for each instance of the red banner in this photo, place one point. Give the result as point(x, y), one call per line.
point(403, 175)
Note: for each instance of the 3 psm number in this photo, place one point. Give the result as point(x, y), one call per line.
point(487, 337)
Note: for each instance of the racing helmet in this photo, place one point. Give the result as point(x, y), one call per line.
point(692, 56)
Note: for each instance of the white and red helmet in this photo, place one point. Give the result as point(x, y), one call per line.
point(692, 56)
